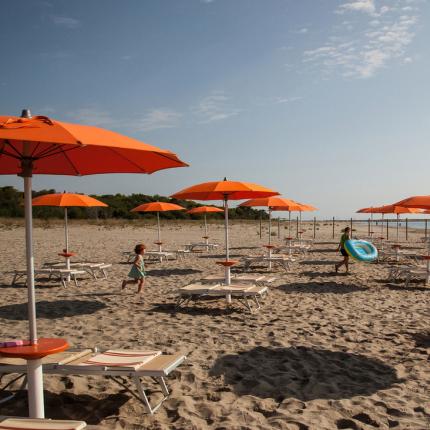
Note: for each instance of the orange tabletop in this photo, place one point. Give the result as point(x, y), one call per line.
point(426, 257)
point(205, 237)
point(67, 254)
point(396, 245)
point(44, 347)
point(158, 243)
point(269, 246)
point(227, 263)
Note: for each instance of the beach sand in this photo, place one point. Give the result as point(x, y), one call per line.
point(326, 351)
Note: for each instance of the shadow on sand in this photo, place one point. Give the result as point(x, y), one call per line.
point(319, 262)
point(70, 406)
point(51, 310)
point(169, 272)
point(303, 373)
point(170, 308)
point(321, 288)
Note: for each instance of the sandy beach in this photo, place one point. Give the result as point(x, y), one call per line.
point(325, 352)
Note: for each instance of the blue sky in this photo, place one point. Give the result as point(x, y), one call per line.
point(325, 101)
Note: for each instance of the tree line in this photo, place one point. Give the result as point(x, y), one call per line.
point(119, 207)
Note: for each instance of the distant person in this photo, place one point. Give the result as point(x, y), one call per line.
point(341, 248)
point(137, 271)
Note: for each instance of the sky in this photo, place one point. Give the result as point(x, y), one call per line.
point(324, 101)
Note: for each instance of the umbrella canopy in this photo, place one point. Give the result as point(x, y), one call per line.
point(44, 146)
point(225, 190)
point(273, 203)
point(67, 200)
point(418, 202)
point(389, 209)
point(158, 207)
point(60, 148)
point(205, 210)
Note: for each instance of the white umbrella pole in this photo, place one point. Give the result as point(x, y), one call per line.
point(34, 367)
point(382, 227)
point(397, 227)
point(270, 225)
point(66, 232)
point(206, 232)
point(300, 227)
point(289, 232)
point(371, 225)
point(159, 232)
point(227, 254)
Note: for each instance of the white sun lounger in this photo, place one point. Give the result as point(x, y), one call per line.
point(243, 278)
point(282, 261)
point(243, 293)
point(91, 268)
point(15, 423)
point(114, 364)
point(62, 274)
point(209, 246)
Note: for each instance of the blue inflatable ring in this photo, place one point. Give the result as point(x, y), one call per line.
point(361, 250)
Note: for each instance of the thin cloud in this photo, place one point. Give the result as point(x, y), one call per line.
point(157, 119)
point(93, 116)
point(66, 22)
point(214, 107)
point(384, 37)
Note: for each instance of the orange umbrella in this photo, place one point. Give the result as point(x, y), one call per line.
point(272, 203)
point(294, 207)
point(389, 209)
point(45, 146)
point(67, 200)
point(225, 190)
point(205, 210)
point(158, 207)
point(417, 202)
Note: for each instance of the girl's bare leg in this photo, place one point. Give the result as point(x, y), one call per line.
point(140, 286)
point(126, 282)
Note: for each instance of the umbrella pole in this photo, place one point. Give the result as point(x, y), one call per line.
point(300, 227)
point(397, 228)
point(227, 254)
point(289, 232)
point(270, 238)
point(66, 232)
point(34, 367)
point(206, 234)
point(159, 233)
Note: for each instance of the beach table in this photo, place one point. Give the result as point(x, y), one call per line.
point(33, 355)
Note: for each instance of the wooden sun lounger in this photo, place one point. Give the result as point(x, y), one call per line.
point(16, 423)
point(115, 365)
point(62, 274)
point(209, 246)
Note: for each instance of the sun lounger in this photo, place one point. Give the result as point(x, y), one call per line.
point(243, 278)
point(209, 246)
point(243, 293)
point(114, 364)
point(282, 261)
point(15, 423)
point(62, 274)
point(418, 274)
point(91, 268)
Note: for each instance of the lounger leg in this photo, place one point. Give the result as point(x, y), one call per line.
point(63, 281)
point(145, 399)
point(104, 273)
point(163, 385)
point(75, 280)
point(14, 279)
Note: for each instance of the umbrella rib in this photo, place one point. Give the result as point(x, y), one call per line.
point(48, 151)
point(7, 142)
point(71, 163)
point(130, 161)
point(35, 149)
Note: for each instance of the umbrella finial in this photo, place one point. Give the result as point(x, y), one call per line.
point(225, 178)
point(26, 113)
